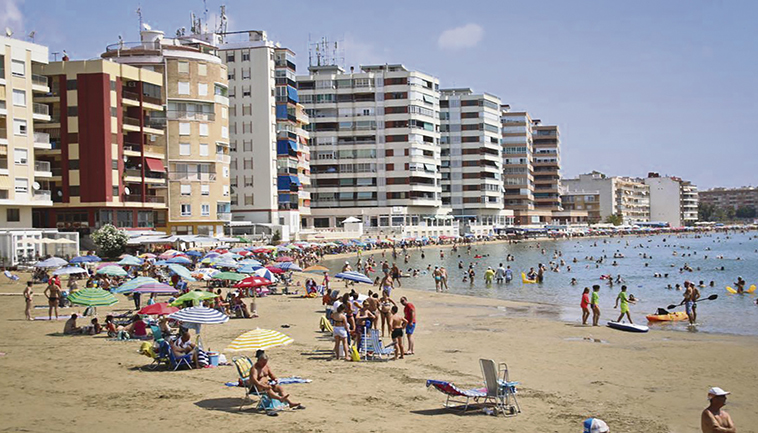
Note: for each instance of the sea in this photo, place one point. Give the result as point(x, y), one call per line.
point(714, 257)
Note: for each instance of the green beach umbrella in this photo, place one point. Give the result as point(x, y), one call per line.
point(91, 297)
point(193, 296)
point(133, 284)
point(114, 271)
point(231, 276)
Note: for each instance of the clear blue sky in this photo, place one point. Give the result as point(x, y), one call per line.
point(635, 86)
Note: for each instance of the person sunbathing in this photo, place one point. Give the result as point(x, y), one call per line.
point(183, 346)
point(263, 380)
point(138, 328)
point(70, 327)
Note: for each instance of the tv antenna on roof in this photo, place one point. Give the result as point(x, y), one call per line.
point(139, 14)
point(32, 35)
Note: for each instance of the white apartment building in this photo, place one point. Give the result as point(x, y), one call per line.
point(375, 137)
point(672, 200)
point(472, 160)
point(269, 147)
point(623, 196)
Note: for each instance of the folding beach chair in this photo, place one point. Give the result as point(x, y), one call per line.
point(157, 334)
point(266, 403)
point(456, 395)
point(373, 347)
point(500, 391)
point(174, 361)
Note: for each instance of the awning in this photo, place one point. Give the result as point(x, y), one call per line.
point(430, 167)
point(155, 165)
point(284, 182)
point(283, 147)
point(292, 93)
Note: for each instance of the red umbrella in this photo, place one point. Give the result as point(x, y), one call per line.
point(253, 281)
point(261, 250)
point(275, 270)
point(284, 259)
point(161, 308)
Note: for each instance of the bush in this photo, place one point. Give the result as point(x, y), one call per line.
point(110, 241)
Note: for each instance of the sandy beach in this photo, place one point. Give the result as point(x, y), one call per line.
point(653, 382)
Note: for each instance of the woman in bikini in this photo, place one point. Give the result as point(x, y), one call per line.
point(340, 332)
point(385, 310)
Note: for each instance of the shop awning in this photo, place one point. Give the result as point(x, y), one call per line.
point(154, 164)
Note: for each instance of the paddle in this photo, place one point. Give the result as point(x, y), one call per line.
point(710, 298)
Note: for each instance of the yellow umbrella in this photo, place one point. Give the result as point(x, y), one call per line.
point(258, 339)
point(316, 268)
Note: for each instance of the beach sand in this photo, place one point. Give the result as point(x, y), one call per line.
point(654, 382)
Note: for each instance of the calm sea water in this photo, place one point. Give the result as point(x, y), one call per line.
point(735, 314)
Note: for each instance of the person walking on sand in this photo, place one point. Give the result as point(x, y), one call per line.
point(29, 298)
point(585, 304)
point(397, 323)
point(624, 301)
point(409, 311)
point(595, 302)
point(713, 419)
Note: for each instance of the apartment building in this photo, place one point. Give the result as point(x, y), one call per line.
point(546, 167)
point(472, 160)
point(672, 200)
point(623, 196)
point(195, 93)
point(106, 154)
point(375, 138)
point(270, 168)
point(23, 178)
point(587, 201)
point(735, 198)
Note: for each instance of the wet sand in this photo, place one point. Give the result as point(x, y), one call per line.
point(653, 382)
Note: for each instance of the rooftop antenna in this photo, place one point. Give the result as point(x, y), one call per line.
point(222, 25)
point(139, 14)
point(32, 34)
point(205, 15)
point(8, 32)
point(55, 55)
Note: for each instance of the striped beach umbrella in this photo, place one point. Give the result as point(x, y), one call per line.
point(194, 296)
point(200, 316)
point(289, 266)
point(68, 270)
point(133, 284)
point(284, 259)
point(114, 271)
point(259, 339)
point(231, 276)
point(91, 297)
point(316, 269)
point(267, 274)
point(154, 288)
point(354, 276)
point(181, 271)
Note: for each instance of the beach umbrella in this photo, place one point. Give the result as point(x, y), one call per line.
point(181, 271)
point(114, 271)
point(261, 250)
point(68, 270)
point(154, 288)
point(275, 270)
point(231, 276)
point(92, 297)
point(250, 262)
point(194, 253)
point(86, 259)
point(354, 276)
point(158, 309)
point(284, 259)
point(133, 284)
point(169, 254)
point(252, 281)
point(130, 261)
point(102, 265)
point(194, 296)
point(205, 273)
point(179, 260)
point(316, 269)
point(199, 315)
point(259, 339)
point(52, 262)
point(267, 274)
point(148, 256)
point(289, 266)
point(225, 263)
point(245, 253)
point(248, 269)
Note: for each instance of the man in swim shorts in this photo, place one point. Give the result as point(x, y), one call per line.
point(397, 323)
point(691, 295)
point(409, 311)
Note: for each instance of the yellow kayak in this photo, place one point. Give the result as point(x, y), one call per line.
point(751, 289)
point(670, 317)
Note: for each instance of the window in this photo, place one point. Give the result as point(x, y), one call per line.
point(72, 111)
point(13, 215)
point(202, 69)
point(71, 84)
point(224, 132)
point(184, 149)
point(203, 129)
point(205, 189)
point(226, 190)
point(202, 89)
point(20, 156)
point(183, 67)
point(184, 128)
point(186, 210)
point(203, 149)
point(245, 56)
point(225, 171)
point(186, 189)
point(183, 88)
point(246, 73)
point(18, 68)
point(230, 57)
point(19, 98)
point(224, 112)
point(22, 185)
point(205, 209)
point(19, 127)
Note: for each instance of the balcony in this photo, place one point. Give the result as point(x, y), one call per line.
point(39, 83)
point(42, 169)
point(193, 177)
point(3, 109)
point(132, 97)
point(137, 198)
point(189, 115)
point(42, 195)
point(41, 112)
point(224, 216)
point(223, 158)
point(42, 141)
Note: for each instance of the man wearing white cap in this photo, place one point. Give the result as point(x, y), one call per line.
point(595, 425)
point(714, 419)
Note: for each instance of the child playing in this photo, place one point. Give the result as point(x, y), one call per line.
point(585, 304)
point(621, 298)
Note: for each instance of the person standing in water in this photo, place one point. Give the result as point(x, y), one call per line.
point(691, 295)
point(624, 301)
point(595, 302)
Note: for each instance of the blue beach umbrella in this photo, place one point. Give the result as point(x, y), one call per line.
point(181, 271)
point(133, 284)
point(52, 262)
point(354, 276)
point(179, 260)
point(289, 266)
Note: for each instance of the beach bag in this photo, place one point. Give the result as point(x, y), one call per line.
point(354, 355)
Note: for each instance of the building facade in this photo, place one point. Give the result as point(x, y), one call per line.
point(672, 200)
point(270, 169)
point(583, 201)
point(623, 196)
point(24, 178)
point(734, 198)
point(375, 139)
point(107, 156)
point(472, 160)
point(195, 93)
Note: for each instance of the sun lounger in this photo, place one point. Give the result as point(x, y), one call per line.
point(457, 395)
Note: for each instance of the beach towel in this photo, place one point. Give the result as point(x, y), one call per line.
point(10, 276)
point(282, 381)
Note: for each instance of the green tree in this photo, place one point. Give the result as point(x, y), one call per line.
point(745, 212)
point(276, 238)
point(706, 211)
point(110, 241)
point(616, 220)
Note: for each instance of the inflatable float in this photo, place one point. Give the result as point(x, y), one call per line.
point(526, 280)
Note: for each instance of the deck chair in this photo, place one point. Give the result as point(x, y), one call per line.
point(500, 391)
point(174, 362)
point(325, 325)
point(455, 395)
point(148, 350)
point(373, 347)
point(265, 403)
point(157, 334)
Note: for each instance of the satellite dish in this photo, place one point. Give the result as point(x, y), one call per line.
point(127, 191)
point(36, 186)
point(8, 32)
point(60, 193)
point(125, 158)
point(146, 26)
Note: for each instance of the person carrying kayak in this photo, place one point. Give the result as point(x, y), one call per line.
point(622, 299)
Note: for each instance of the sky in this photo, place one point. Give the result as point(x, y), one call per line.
point(635, 86)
